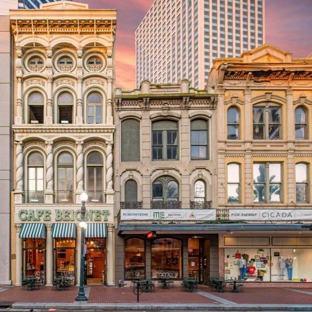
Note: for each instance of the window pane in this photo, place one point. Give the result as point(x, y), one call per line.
point(233, 173)
point(32, 173)
point(233, 116)
point(134, 258)
point(274, 173)
point(99, 171)
point(195, 152)
point(172, 137)
point(65, 98)
point(95, 158)
point(259, 193)
point(199, 189)
point(300, 116)
point(157, 189)
point(157, 137)
point(301, 193)
point(233, 193)
point(94, 98)
point(157, 153)
point(65, 158)
point(258, 133)
point(40, 173)
point(69, 178)
point(275, 193)
point(35, 98)
point(172, 189)
point(35, 159)
point(40, 185)
point(171, 152)
point(98, 114)
point(194, 137)
point(274, 132)
point(301, 173)
point(61, 173)
point(131, 191)
point(300, 132)
point(258, 115)
point(274, 115)
point(259, 172)
point(232, 132)
point(32, 185)
point(202, 152)
point(130, 140)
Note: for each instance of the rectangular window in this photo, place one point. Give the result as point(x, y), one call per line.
point(267, 182)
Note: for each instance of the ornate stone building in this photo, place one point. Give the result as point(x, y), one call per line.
point(165, 182)
point(63, 133)
point(264, 164)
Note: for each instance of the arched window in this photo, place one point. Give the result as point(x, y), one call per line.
point(301, 132)
point(165, 193)
point(130, 140)
point(95, 111)
point(65, 178)
point(65, 103)
point(199, 139)
point(199, 191)
point(165, 140)
point(302, 185)
point(35, 166)
point(267, 122)
point(36, 108)
point(134, 258)
point(131, 191)
point(233, 123)
point(167, 258)
point(233, 183)
point(95, 177)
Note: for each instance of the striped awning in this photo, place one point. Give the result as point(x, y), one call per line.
point(33, 230)
point(96, 230)
point(64, 230)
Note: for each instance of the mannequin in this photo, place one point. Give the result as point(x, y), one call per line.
point(282, 265)
point(251, 268)
point(242, 267)
point(289, 266)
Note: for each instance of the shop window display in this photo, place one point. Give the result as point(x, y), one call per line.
point(166, 258)
point(64, 257)
point(268, 265)
point(134, 258)
point(34, 257)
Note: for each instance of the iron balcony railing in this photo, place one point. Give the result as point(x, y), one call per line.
point(200, 204)
point(131, 205)
point(170, 204)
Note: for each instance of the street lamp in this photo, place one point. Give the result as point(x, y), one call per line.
point(81, 293)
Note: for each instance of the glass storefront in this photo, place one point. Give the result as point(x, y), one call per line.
point(34, 257)
point(64, 257)
point(268, 264)
point(134, 258)
point(167, 258)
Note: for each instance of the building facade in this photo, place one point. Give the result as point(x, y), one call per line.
point(34, 4)
point(6, 92)
point(264, 165)
point(165, 182)
point(63, 134)
point(180, 39)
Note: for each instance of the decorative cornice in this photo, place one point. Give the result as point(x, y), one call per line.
point(37, 81)
point(269, 155)
point(67, 129)
point(234, 155)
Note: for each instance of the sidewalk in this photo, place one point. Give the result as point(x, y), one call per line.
point(123, 299)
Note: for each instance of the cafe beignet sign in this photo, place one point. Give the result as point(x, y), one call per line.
point(61, 215)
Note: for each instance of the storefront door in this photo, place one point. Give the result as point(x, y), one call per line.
point(96, 260)
point(195, 259)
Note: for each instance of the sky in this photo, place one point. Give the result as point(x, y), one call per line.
point(288, 26)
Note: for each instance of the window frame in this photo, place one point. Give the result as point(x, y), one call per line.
point(267, 184)
point(62, 107)
point(95, 193)
point(266, 124)
point(198, 144)
point(39, 193)
point(233, 182)
point(161, 145)
point(301, 183)
point(34, 107)
point(302, 124)
point(197, 198)
point(69, 197)
point(94, 107)
point(164, 182)
point(233, 124)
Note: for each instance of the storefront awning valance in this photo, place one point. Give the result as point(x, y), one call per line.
point(33, 230)
point(64, 230)
point(96, 230)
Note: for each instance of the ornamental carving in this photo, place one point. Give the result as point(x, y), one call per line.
point(65, 144)
point(60, 82)
point(34, 82)
point(94, 144)
point(34, 145)
point(94, 82)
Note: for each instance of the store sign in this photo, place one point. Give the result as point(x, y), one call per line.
point(59, 215)
point(168, 214)
point(270, 214)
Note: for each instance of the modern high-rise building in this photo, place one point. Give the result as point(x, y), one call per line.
point(179, 39)
point(33, 4)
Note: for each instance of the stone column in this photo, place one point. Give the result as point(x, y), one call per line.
point(109, 174)
point(78, 253)
point(49, 173)
point(19, 255)
point(110, 252)
point(221, 115)
point(248, 116)
point(109, 103)
point(79, 169)
point(49, 118)
point(49, 256)
point(79, 118)
point(19, 103)
point(290, 117)
point(19, 189)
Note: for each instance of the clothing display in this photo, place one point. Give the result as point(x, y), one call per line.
point(289, 266)
point(282, 265)
point(251, 270)
point(242, 267)
point(246, 257)
point(238, 255)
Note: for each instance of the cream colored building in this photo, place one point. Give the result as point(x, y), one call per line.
point(63, 141)
point(264, 163)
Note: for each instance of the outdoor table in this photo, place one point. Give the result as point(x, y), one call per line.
point(190, 284)
point(62, 282)
point(218, 284)
point(164, 282)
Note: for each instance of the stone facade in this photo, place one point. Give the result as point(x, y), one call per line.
point(63, 120)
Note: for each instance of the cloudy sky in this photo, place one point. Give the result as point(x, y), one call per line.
point(288, 26)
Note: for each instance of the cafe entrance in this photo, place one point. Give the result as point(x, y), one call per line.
point(96, 260)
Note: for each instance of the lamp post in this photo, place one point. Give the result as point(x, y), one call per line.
point(81, 293)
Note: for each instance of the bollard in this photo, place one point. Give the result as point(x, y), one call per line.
point(138, 291)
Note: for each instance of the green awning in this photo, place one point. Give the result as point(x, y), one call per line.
point(33, 230)
point(64, 230)
point(96, 230)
